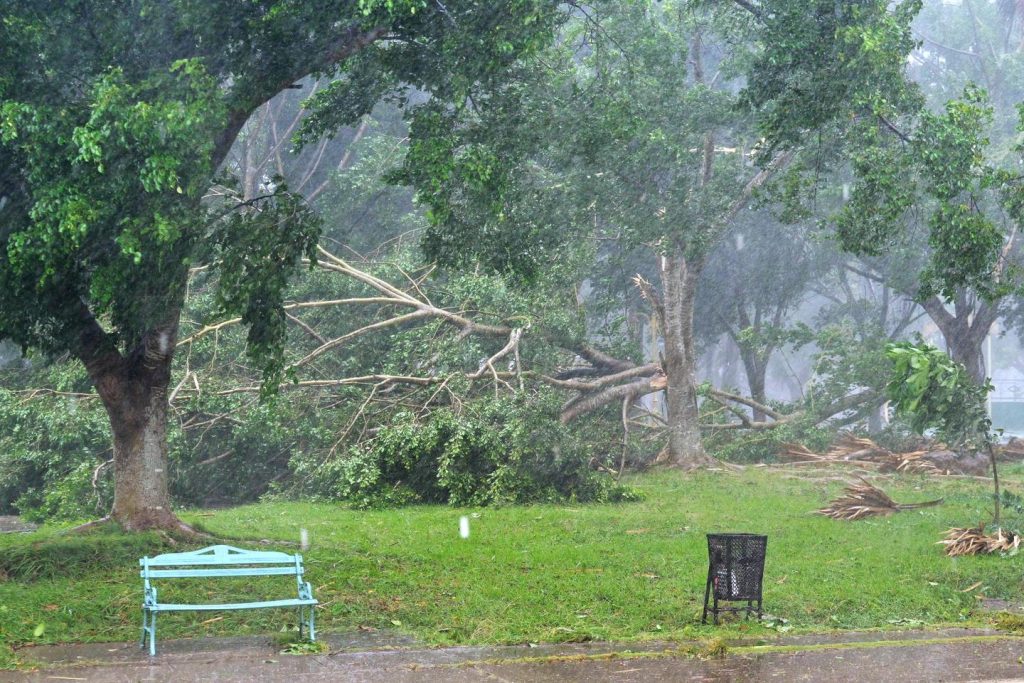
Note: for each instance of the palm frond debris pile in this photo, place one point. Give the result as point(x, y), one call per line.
point(974, 541)
point(864, 500)
point(861, 451)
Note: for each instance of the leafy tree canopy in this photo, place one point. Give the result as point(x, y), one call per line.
point(114, 118)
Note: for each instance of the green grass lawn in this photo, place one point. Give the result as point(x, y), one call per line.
point(543, 573)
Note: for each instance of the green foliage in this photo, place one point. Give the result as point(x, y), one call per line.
point(114, 120)
point(944, 168)
point(1012, 507)
point(505, 450)
point(50, 447)
point(255, 253)
point(54, 449)
point(967, 243)
point(304, 647)
point(935, 392)
point(113, 180)
point(848, 360)
point(764, 446)
point(511, 185)
point(823, 61)
point(239, 447)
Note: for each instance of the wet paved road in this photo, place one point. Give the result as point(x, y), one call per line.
point(933, 657)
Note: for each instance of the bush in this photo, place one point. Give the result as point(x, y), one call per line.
point(494, 451)
point(49, 448)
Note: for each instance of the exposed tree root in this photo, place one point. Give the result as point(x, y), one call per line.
point(170, 527)
point(89, 526)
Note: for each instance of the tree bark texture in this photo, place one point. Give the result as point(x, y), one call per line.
point(679, 286)
point(757, 370)
point(964, 330)
point(133, 389)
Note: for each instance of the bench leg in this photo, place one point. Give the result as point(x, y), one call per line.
point(312, 629)
point(148, 630)
point(152, 634)
point(302, 619)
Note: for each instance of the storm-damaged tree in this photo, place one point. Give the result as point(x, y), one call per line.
point(940, 175)
point(935, 209)
point(636, 121)
point(114, 119)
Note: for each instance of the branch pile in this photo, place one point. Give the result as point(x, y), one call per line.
point(596, 379)
point(850, 449)
point(1013, 450)
point(864, 500)
point(974, 541)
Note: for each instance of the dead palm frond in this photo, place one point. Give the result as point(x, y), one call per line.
point(974, 541)
point(913, 463)
point(864, 500)
point(856, 450)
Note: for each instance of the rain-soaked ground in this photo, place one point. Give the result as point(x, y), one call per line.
point(950, 655)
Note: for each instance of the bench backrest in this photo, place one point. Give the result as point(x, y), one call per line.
point(221, 561)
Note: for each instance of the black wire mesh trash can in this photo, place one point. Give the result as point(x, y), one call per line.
point(735, 572)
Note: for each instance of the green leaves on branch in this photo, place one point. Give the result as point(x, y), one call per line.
point(824, 59)
point(257, 247)
point(935, 392)
point(112, 182)
point(943, 168)
point(493, 451)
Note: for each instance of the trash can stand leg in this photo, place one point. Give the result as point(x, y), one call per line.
point(707, 595)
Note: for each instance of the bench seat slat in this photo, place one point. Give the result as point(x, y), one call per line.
point(171, 607)
point(161, 561)
point(227, 571)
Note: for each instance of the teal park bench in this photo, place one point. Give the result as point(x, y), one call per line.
point(215, 562)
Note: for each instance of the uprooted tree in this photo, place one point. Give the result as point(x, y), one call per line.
point(114, 120)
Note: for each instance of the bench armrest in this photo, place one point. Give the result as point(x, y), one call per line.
point(305, 591)
point(149, 597)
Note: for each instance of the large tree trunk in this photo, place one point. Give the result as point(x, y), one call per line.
point(964, 330)
point(133, 389)
point(756, 369)
point(679, 286)
point(966, 347)
point(138, 419)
